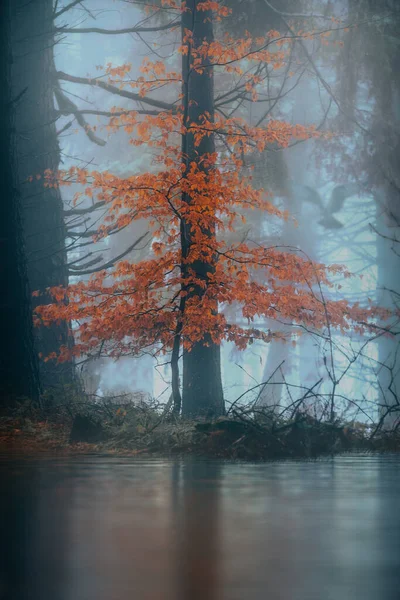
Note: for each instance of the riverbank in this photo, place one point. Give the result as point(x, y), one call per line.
point(140, 428)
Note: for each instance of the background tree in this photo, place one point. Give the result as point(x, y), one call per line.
point(172, 302)
point(367, 85)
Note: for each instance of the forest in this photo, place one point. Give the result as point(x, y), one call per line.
point(199, 245)
point(200, 300)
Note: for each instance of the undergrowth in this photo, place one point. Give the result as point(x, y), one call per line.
point(133, 424)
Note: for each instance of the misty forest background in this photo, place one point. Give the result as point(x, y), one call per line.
point(344, 192)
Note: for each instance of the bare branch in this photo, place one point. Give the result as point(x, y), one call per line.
point(298, 15)
point(67, 126)
point(114, 90)
point(92, 232)
point(83, 211)
point(318, 73)
point(76, 270)
point(68, 107)
point(66, 8)
point(134, 29)
point(17, 97)
point(107, 265)
point(108, 113)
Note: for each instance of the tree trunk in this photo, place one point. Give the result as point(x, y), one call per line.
point(202, 383)
point(18, 364)
point(388, 225)
point(388, 294)
point(37, 150)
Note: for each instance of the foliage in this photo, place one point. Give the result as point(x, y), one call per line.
point(182, 292)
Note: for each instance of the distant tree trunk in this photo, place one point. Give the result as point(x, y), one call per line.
point(37, 150)
point(304, 236)
point(386, 168)
point(202, 381)
point(293, 178)
point(388, 225)
point(379, 69)
point(18, 364)
point(388, 346)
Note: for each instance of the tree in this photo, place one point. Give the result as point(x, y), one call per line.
point(18, 363)
point(201, 394)
point(174, 302)
point(36, 149)
point(367, 75)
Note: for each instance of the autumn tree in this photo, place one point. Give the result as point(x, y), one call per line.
point(178, 300)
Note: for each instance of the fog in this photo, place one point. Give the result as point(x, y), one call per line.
point(365, 243)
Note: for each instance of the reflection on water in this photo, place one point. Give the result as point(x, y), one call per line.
point(119, 529)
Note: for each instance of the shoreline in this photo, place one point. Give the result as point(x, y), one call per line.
point(223, 438)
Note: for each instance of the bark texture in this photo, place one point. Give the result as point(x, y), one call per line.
point(18, 364)
point(37, 150)
point(202, 381)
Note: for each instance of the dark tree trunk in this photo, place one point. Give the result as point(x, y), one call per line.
point(37, 150)
point(202, 383)
point(18, 364)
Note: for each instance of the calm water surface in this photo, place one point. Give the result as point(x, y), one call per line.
point(134, 529)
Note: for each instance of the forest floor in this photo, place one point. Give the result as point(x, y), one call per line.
point(132, 429)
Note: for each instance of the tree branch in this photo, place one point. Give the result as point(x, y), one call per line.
point(114, 90)
point(107, 265)
point(67, 107)
point(108, 113)
point(66, 8)
point(83, 211)
point(135, 29)
point(317, 71)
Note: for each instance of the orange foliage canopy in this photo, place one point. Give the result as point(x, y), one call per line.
point(136, 307)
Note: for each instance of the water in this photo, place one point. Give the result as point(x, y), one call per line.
point(93, 528)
